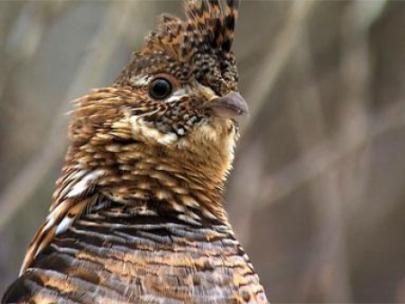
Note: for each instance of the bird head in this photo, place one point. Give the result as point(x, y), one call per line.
point(179, 93)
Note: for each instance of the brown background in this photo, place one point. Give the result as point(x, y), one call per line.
point(317, 195)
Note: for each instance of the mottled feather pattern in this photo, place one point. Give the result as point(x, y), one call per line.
point(137, 215)
point(111, 257)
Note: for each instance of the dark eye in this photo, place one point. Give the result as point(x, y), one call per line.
point(160, 88)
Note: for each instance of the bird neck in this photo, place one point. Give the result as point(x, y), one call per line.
point(182, 184)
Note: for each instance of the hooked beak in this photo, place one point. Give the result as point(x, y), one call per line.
point(229, 106)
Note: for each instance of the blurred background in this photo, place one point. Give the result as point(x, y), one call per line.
point(317, 195)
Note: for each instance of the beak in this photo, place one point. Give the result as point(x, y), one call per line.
point(229, 106)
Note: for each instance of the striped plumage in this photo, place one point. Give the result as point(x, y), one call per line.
point(143, 259)
point(137, 214)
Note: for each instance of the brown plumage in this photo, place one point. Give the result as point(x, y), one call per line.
point(137, 214)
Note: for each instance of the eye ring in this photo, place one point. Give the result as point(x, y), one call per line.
point(160, 88)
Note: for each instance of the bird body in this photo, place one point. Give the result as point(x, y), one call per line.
point(137, 214)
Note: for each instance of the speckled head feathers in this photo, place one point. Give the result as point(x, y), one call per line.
point(198, 47)
point(208, 27)
point(194, 57)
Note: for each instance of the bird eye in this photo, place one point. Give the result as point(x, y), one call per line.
point(160, 88)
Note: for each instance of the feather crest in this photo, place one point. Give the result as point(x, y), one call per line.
point(209, 26)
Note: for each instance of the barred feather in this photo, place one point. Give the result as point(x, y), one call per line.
point(113, 258)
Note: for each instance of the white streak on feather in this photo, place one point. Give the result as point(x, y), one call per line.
point(83, 185)
point(178, 95)
point(78, 174)
point(64, 225)
point(71, 179)
point(49, 223)
point(139, 128)
point(57, 210)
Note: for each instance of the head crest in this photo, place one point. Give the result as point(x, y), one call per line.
point(209, 26)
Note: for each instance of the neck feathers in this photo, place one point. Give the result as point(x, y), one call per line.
point(143, 181)
point(133, 174)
